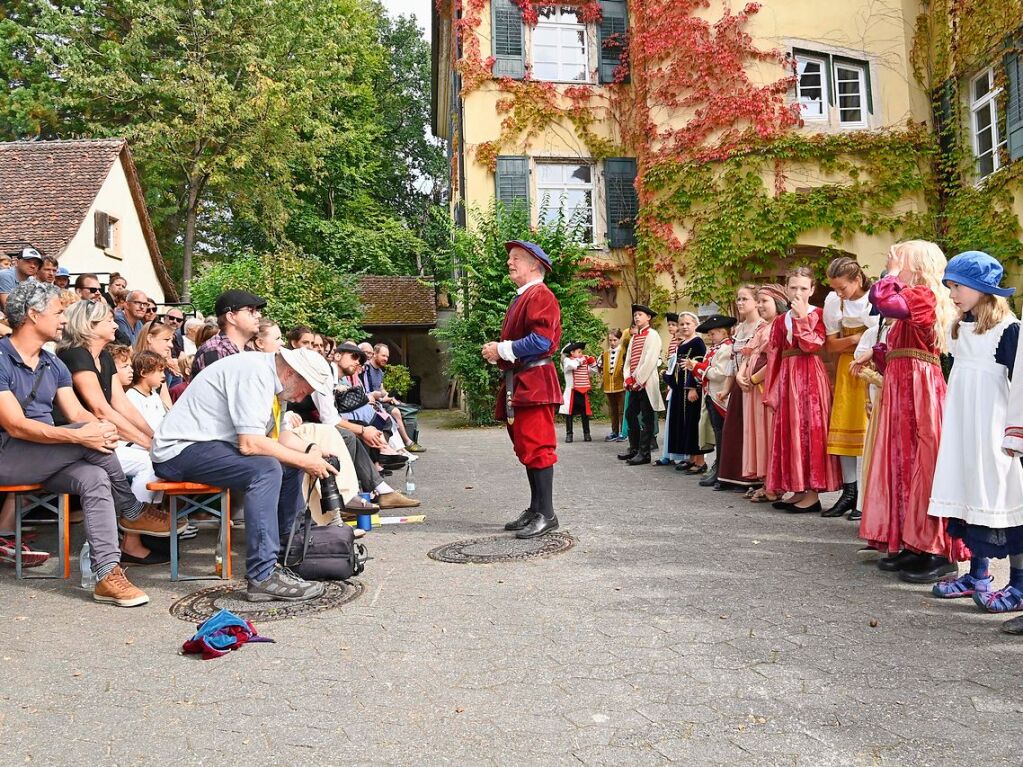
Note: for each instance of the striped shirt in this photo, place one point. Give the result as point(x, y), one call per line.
point(581, 378)
point(638, 341)
point(672, 346)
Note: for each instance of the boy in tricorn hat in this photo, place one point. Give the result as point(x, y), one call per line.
point(644, 386)
point(576, 399)
point(713, 373)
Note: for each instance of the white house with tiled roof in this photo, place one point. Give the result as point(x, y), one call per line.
point(81, 202)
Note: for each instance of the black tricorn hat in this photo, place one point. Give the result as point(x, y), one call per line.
point(716, 321)
point(645, 309)
point(671, 317)
point(569, 348)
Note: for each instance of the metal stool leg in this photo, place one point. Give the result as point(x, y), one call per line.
point(225, 535)
point(174, 536)
point(17, 536)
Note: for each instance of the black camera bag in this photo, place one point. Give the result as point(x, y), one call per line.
point(322, 552)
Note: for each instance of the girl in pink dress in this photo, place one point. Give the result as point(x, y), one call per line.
point(901, 471)
point(799, 392)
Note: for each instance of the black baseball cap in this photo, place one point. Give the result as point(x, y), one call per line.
point(351, 348)
point(233, 300)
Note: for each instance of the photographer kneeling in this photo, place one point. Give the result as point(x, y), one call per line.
point(226, 431)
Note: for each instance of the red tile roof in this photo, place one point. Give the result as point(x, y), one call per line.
point(47, 188)
point(391, 301)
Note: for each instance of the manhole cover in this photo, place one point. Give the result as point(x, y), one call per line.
point(502, 548)
point(197, 607)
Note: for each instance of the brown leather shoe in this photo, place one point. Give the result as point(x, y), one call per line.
point(117, 589)
point(151, 522)
point(395, 500)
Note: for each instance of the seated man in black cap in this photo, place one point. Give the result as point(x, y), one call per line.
point(238, 314)
point(642, 380)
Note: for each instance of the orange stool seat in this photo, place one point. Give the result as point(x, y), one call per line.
point(191, 497)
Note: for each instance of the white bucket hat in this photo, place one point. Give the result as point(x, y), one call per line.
point(312, 367)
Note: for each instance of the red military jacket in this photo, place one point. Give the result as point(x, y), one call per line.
point(535, 311)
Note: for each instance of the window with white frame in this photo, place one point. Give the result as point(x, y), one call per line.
point(566, 189)
point(560, 50)
point(812, 87)
point(984, 128)
point(832, 89)
point(851, 94)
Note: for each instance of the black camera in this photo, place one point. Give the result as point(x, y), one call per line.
point(330, 498)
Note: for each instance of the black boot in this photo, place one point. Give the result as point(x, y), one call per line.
point(846, 501)
point(642, 455)
point(711, 479)
point(544, 520)
point(895, 562)
point(930, 568)
point(586, 429)
point(633, 450)
point(524, 518)
point(568, 429)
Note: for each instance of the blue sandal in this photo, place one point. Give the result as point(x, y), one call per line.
point(963, 586)
point(1007, 600)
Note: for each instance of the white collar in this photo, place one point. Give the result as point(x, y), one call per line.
point(528, 285)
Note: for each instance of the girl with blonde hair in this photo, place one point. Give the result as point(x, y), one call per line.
point(901, 471)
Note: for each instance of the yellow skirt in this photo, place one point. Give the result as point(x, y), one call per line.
point(848, 426)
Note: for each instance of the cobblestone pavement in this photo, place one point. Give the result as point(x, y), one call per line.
point(686, 626)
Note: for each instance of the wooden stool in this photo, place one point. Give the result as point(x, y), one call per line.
point(30, 497)
point(186, 498)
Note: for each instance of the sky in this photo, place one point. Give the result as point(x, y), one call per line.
point(419, 8)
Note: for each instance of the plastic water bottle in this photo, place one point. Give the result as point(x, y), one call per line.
point(410, 480)
point(84, 561)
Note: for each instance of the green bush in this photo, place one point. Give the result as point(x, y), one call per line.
point(484, 292)
point(298, 291)
point(397, 380)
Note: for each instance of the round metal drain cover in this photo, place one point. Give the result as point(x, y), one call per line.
point(502, 548)
point(197, 607)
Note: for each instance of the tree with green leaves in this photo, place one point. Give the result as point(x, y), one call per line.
point(484, 291)
point(223, 100)
point(298, 291)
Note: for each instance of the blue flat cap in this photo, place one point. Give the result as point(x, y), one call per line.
point(533, 249)
point(976, 269)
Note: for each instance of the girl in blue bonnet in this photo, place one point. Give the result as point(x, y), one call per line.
point(978, 486)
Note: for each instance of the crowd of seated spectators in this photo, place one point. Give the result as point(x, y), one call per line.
point(101, 394)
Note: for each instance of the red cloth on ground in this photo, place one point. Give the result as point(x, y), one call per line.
point(898, 480)
point(798, 389)
point(533, 437)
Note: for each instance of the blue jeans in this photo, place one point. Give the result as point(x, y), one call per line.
point(273, 494)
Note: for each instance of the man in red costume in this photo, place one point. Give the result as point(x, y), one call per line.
point(529, 388)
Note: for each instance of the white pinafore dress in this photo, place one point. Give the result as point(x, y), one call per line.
point(974, 480)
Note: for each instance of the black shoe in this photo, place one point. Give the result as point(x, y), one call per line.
point(895, 562)
point(854, 516)
point(152, 558)
point(629, 455)
point(538, 525)
point(521, 521)
point(684, 466)
point(929, 569)
point(640, 459)
point(780, 505)
point(568, 439)
point(392, 461)
point(813, 509)
point(711, 479)
point(846, 501)
point(587, 437)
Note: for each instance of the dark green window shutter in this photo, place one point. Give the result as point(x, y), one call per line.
point(622, 201)
point(1014, 104)
point(509, 56)
point(513, 180)
point(612, 38)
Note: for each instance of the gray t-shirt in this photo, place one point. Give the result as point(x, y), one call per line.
point(9, 280)
point(234, 396)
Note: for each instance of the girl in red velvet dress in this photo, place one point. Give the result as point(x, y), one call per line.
point(798, 390)
point(898, 480)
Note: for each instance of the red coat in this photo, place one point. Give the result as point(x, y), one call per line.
point(535, 311)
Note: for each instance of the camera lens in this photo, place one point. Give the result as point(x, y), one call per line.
point(330, 498)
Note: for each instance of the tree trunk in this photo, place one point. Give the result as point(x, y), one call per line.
point(195, 186)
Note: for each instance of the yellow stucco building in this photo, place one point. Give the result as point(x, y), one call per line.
point(702, 145)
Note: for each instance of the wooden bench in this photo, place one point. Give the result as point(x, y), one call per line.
point(191, 497)
point(28, 498)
